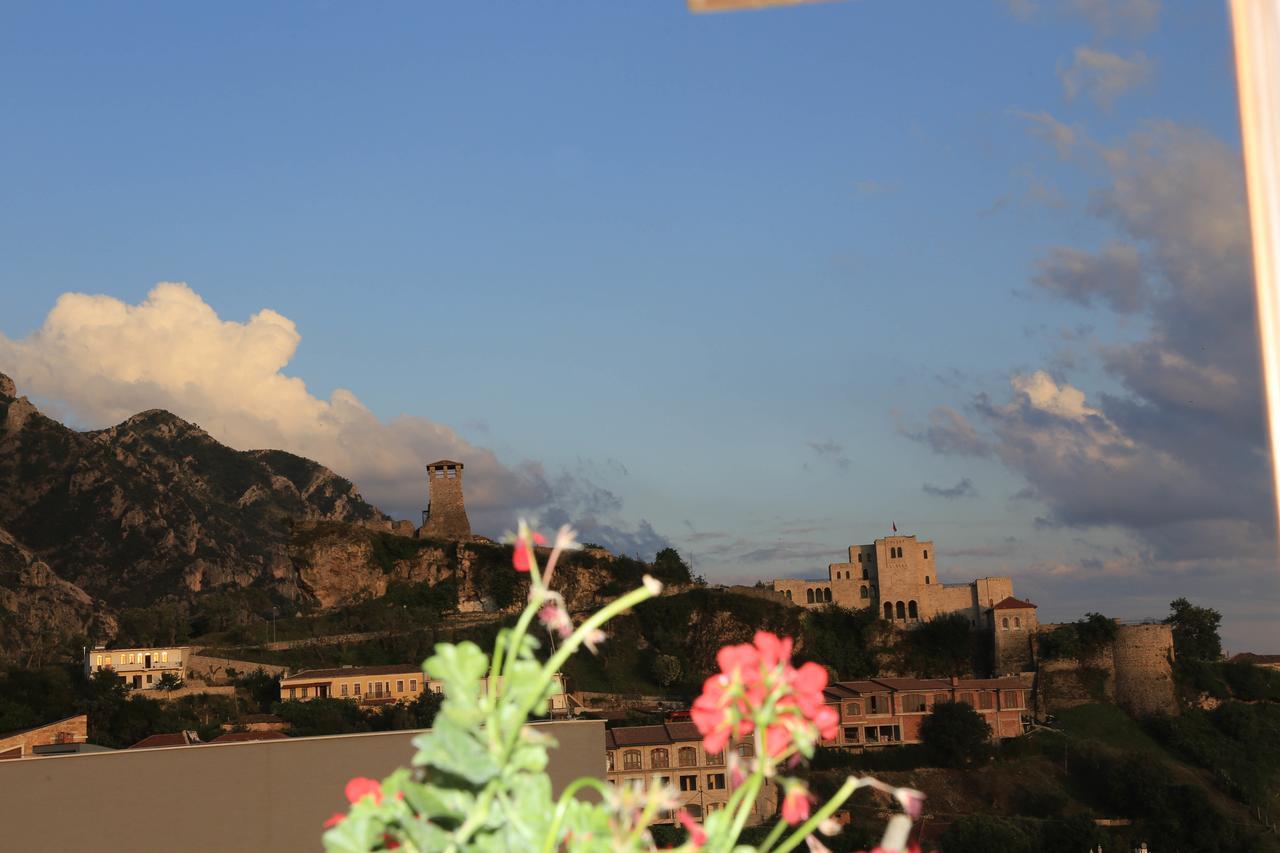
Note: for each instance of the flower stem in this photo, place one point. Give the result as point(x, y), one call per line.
point(562, 806)
point(802, 832)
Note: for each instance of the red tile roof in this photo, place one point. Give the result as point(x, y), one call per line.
point(168, 739)
point(1012, 603)
point(239, 737)
point(355, 671)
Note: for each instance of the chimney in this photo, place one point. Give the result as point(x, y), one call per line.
point(955, 681)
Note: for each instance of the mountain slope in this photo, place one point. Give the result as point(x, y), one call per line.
point(155, 508)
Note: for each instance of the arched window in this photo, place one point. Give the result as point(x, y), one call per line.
point(788, 595)
point(902, 610)
point(926, 579)
point(659, 758)
point(1004, 623)
point(631, 759)
point(865, 593)
point(912, 610)
point(746, 750)
point(888, 610)
point(865, 574)
point(1017, 623)
point(688, 756)
point(808, 594)
point(926, 555)
point(859, 557)
point(826, 594)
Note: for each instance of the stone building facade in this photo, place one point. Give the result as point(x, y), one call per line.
point(879, 712)
point(446, 514)
point(47, 739)
point(898, 576)
point(672, 753)
point(1013, 630)
point(139, 668)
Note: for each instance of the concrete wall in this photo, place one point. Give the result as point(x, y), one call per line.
point(263, 795)
point(208, 668)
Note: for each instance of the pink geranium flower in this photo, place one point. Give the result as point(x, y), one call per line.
point(697, 835)
point(361, 787)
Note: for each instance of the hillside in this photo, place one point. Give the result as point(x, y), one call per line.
point(154, 508)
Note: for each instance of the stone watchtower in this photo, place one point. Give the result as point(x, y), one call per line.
point(446, 515)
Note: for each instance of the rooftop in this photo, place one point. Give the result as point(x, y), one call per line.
point(354, 671)
point(1012, 603)
point(169, 739)
point(239, 737)
point(666, 733)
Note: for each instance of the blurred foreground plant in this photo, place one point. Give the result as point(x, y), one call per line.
point(478, 780)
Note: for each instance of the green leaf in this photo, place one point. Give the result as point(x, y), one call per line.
point(456, 749)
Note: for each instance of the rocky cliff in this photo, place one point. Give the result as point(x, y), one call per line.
point(154, 508)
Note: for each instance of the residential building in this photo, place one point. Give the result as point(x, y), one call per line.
point(672, 753)
point(184, 738)
point(65, 735)
point(139, 668)
point(880, 712)
point(378, 685)
point(241, 737)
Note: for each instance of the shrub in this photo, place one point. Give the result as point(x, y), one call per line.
point(984, 834)
point(956, 735)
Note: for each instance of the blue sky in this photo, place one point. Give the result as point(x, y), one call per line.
point(701, 279)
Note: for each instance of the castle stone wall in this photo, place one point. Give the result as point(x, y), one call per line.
point(1144, 669)
point(446, 516)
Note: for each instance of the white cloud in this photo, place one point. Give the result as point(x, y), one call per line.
point(105, 360)
point(1111, 17)
point(1063, 137)
point(1103, 76)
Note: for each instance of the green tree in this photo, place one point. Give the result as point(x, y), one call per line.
point(667, 670)
point(842, 640)
point(1195, 630)
point(956, 735)
point(168, 682)
point(323, 717)
point(941, 647)
point(983, 834)
point(263, 689)
point(670, 568)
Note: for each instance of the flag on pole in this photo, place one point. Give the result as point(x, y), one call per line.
point(895, 527)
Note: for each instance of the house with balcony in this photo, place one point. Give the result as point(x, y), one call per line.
point(880, 712)
point(379, 685)
point(672, 754)
point(139, 668)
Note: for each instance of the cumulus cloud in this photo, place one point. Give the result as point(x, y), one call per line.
point(1113, 275)
point(1179, 454)
point(104, 360)
point(1103, 76)
point(1063, 137)
point(962, 489)
point(830, 452)
point(948, 432)
point(1115, 17)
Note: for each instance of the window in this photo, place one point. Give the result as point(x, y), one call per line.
point(808, 596)
point(715, 781)
point(901, 610)
point(888, 610)
point(99, 660)
point(940, 697)
point(826, 594)
point(357, 688)
point(788, 595)
point(108, 660)
point(926, 556)
point(714, 807)
point(343, 689)
point(1017, 622)
point(853, 709)
point(608, 761)
point(1011, 698)
point(1004, 623)
point(148, 678)
point(851, 734)
point(926, 580)
point(400, 685)
point(986, 701)
point(890, 734)
point(659, 758)
point(631, 759)
point(966, 698)
point(293, 694)
point(688, 783)
point(912, 610)
point(688, 756)
point(865, 593)
point(860, 560)
point(306, 691)
point(746, 750)
point(866, 574)
point(878, 703)
point(715, 759)
point(413, 685)
point(164, 657)
point(913, 703)
point(694, 810)
point(873, 734)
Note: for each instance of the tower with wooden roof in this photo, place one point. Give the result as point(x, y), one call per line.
point(446, 514)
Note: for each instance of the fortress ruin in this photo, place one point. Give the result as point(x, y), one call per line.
point(446, 514)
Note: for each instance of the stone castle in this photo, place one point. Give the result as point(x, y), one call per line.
point(446, 514)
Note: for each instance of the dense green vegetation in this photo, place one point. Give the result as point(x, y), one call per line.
point(1079, 640)
point(955, 735)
